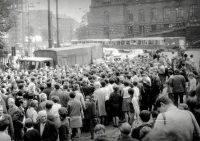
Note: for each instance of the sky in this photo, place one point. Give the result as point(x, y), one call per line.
point(72, 8)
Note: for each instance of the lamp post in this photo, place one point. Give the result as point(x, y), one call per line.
point(49, 24)
point(57, 23)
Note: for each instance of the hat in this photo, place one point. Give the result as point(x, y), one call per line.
point(176, 71)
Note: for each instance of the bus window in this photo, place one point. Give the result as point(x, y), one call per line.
point(151, 42)
point(139, 42)
point(122, 42)
point(127, 42)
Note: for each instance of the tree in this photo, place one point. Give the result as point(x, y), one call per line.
point(7, 16)
point(82, 32)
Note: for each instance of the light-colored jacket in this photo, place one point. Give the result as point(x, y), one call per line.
point(173, 125)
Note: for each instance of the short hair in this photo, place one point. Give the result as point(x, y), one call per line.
point(111, 81)
point(115, 88)
point(99, 127)
point(30, 96)
point(57, 86)
point(135, 83)
point(49, 84)
point(40, 113)
point(55, 99)
point(19, 93)
point(97, 84)
point(65, 86)
point(192, 103)
point(4, 124)
point(75, 87)
point(33, 103)
point(11, 99)
point(28, 123)
point(163, 99)
point(144, 131)
point(131, 91)
point(103, 83)
point(126, 83)
point(145, 115)
point(63, 112)
point(72, 94)
point(43, 96)
point(21, 101)
point(125, 128)
point(49, 105)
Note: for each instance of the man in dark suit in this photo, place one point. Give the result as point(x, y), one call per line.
point(18, 121)
point(31, 134)
point(47, 129)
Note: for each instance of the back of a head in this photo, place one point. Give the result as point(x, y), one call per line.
point(34, 104)
point(126, 83)
point(75, 87)
point(111, 81)
point(49, 105)
point(145, 115)
point(103, 83)
point(3, 124)
point(57, 86)
point(63, 112)
point(72, 94)
point(55, 99)
point(30, 96)
point(144, 131)
point(28, 123)
point(164, 99)
point(49, 84)
point(125, 128)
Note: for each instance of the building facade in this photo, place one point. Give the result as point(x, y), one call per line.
point(138, 18)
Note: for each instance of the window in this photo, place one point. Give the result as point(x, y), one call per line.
point(166, 12)
point(193, 10)
point(154, 14)
point(106, 30)
point(153, 28)
point(130, 15)
point(166, 26)
point(179, 12)
point(130, 29)
point(106, 17)
point(141, 15)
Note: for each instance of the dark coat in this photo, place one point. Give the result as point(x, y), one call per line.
point(50, 132)
point(32, 135)
point(18, 117)
point(10, 126)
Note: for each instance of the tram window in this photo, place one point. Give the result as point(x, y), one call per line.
point(151, 42)
point(95, 41)
point(139, 42)
point(87, 42)
point(128, 42)
point(122, 42)
point(118, 43)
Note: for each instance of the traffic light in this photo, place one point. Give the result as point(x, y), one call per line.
point(13, 51)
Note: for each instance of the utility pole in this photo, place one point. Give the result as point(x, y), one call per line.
point(57, 23)
point(49, 24)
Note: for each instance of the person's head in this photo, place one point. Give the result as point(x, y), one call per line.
point(49, 84)
point(43, 97)
point(163, 103)
point(63, 113)
point(176, 71)
point(144, 131)
point(49, 105)
point(191, 75)
point(131, 92)
point(72, 95)
point(55, 99)
point(145, 115)
point(125, 128)
point(42, 115)
point(4, 124)
point(65, 86)
point(34, 104)
point(97, 85)
point(99, 130)
point(11, 102)
point(28, 123)
point(115, 88)
point(30, 96)
point(191, 56)
point(135, 83)
point(57, 86)
point(22, 103)
point(111, 81)
point(103, 83)
point(192, 103)
point(126, 83)
point(154, 115)
point(75, 87)
point(183, 106)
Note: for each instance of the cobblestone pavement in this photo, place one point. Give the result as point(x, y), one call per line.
point(111, 132)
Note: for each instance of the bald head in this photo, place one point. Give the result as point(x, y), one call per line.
point(11, 102)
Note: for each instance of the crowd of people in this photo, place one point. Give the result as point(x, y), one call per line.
point(149, 99)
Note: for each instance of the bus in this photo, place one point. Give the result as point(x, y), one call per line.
point(145, 43)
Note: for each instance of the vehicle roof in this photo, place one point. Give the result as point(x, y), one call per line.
point(67, 48)
point(36, 59)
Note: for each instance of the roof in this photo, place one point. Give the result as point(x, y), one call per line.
point(68, 48)
point(36, 59)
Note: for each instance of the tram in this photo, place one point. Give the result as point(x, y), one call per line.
point(145, 43)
